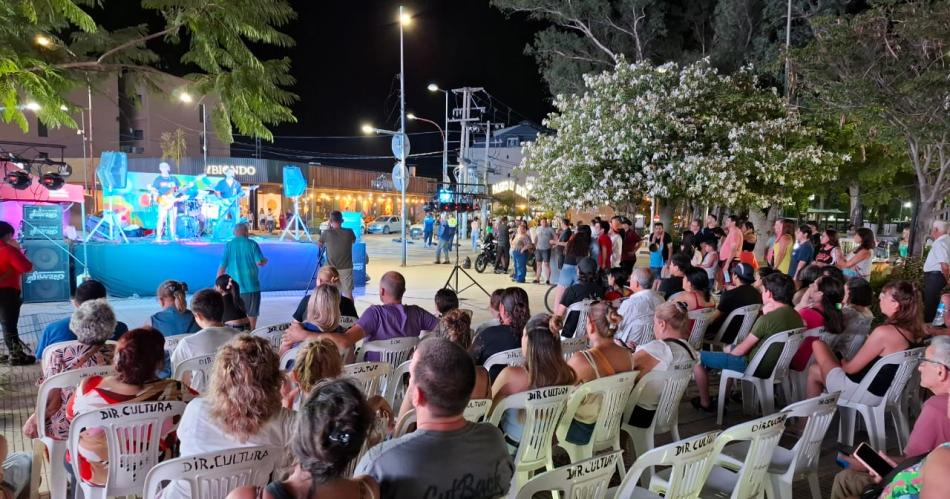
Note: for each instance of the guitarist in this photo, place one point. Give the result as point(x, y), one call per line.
point(230, 192)
point(163, 189)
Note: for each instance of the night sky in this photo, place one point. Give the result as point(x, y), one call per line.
point(346, 63)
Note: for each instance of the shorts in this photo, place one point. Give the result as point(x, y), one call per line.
point(252, 303)
point(568, 275)
point(722, 360)
point(542, 255)
point(838, 381)
point(346, 282)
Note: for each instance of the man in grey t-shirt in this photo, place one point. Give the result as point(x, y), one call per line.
point(542, 246)
point(338, 243)
point(446, 456)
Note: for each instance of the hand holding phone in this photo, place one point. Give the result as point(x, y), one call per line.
point(875, 462)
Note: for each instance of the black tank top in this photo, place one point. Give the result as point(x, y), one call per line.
point(885, 376)
point(747, 246)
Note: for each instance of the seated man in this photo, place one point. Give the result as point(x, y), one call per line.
point(931, 429)
point(740, 295)
point(57, 332)
point(679, 264)
point(637, 310)
point(588, 287)
point(778, 317)
point(208, 307)
point(446, 456)
point(389, 320)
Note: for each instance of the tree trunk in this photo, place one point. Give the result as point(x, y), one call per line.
point(697, 211)
point(854, 192)
point(666, 215)
point(922, 219)
point(763, 219)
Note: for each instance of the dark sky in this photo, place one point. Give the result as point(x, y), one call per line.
point(346, 63)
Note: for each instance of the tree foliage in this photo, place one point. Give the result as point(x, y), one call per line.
point(216, 36)
point(674, 132)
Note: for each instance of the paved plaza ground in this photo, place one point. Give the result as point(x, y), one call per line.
point(423, 279)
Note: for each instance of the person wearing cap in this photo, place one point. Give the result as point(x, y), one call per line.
point(163, 189)
point(588, 287)
point(742, 293)
point(242, 256)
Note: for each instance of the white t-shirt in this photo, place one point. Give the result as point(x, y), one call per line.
point(204, 342)
point(667, 353)
point(199, 433)
point(617, 249)
point(939, 253)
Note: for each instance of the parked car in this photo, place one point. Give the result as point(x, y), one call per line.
point(384, 225)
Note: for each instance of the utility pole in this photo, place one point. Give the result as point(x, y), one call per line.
point(465, 176)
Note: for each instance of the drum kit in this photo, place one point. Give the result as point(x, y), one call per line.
point(200, 212)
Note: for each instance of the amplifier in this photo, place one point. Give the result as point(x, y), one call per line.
point(42, 221)
point(50, 278)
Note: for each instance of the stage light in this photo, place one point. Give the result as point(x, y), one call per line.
point(52, 181)
point(18, 179)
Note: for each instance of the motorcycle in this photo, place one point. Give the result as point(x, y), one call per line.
point(487, 254)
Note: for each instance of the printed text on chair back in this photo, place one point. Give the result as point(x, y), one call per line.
point(819, 411)
point(689, 462)
point(763, 435)
point(587, 479)
point(213, 475)
point(369, 376)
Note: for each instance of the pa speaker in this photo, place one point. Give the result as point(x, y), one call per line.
point(294, 183)
point(42, 221)
point(113, 170)
point(49, 280)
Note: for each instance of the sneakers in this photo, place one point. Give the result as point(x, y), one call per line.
point(19, 355)
point(711, 408)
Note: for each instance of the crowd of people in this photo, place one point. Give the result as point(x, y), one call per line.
point(636, 319)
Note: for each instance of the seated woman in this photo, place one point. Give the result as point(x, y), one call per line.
point(696, 287)
point(323, 310)
point(858, 263)
point(820, 307)
point(514, 314)
point(671, 328)
point(235, 314)
point(903, 329)
point(603, 358)
point(544, 366)
point(617, 280)
point(330, 432)
point(174, 318)
point(93, 323)
point(240, 409)
point(317, 360)
point(808, 275)
point(138, 357)
point(445, 300)
point(710, 261)
point(857, 309)
point(327, 275)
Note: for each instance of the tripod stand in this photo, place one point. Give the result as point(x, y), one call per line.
point(115, 225)
point(457, 269)
point(295, 225)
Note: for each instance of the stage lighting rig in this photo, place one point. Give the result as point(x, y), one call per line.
point(18, 179)
point(52, 181)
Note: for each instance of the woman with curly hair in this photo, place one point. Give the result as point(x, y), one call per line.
point(317, 360)
point(242, 407)
point(514, 314)
point(330, 431)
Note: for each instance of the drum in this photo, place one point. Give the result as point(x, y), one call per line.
point(210, 210)
point(186, 227)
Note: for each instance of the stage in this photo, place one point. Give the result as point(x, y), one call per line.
point(139, 266)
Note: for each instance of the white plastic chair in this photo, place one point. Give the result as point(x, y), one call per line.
point(798, 379)
point(272, 333)
point(347, 321)
point(570, 346)
point(132, 432)
point(587, 479)
point(397, 385)
point(802, 458)
point(369, 376)
point(213, 475)
point(763, 387)
point(689, 462)
point(666, 416)
point(614, 392)
point(393, 351)
point(172, 341)
point(582, 308)
point(748, 315)
point(58, 347)
point(904, 364)
point(477, 410)
point(198, 370)
point(289, 358)
point(701, 318)
point(543, 408)
point(57, 448)
point(638, 330)
point(513, 357)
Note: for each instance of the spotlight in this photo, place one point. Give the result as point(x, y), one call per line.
point(18, 179)
point(52, 181)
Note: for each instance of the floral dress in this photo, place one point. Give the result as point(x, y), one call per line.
point(908, 482)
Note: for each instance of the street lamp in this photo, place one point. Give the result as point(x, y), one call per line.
point(907, 204)
point(445, 138)
point(413, 117)
point(186, 98)
point(404, 20)
point(43, 40)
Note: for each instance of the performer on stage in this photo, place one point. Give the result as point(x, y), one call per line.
point(230, 192)
point(164, 188)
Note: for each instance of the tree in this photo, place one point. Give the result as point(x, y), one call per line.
point(674, 132)
point(887, 69)
point(48, 47)
point(174, 146)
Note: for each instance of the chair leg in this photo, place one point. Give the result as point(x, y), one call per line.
point(642, 442)
point(775, 488)
point(814, 484)
point(876, 422)
point(846, 425)
point(721, 403)
point(766, 396)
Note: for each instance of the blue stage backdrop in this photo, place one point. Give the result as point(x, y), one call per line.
point(139, 267)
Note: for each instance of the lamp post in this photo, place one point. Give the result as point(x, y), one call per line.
point(445, 142)
point(186, 98)
point(404, 20)
point(445, 138)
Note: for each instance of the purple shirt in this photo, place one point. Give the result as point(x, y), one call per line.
point(384, 322)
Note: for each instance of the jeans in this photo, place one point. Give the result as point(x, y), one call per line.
point(427, 237)
point(443, 246)
point(475, 240)
point(934, 283)
point(502, 260)
point(521, 265)
point(10, 303)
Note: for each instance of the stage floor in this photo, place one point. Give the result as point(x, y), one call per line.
point(140, 266)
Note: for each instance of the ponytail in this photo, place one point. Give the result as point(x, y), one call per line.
point(175, 290)
point(231, 287)
point(605, 318)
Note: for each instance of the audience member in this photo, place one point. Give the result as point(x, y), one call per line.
point(637, 310)
point(858, 264)
point(15, 472)
point(588, 287)
point(742, 295)
point(317, 360)
point(446, 300)
point(778, 316)
point(235, 313)
point(782, 247)
point(696, 290)
point(13, 264)
point(669, 286)
point(333, 425)
point(208, 307)
point(327, 275)
point(660, 245)
point(617, 285)
point(493, 311)
point(821, 307)
point(731, 246)
point(803, 252)
point(323, 311)
point(710, 260)
point(749, 240)
point(241, 258)
point(93, 323)
point(174, 318)
point(138, 357)
point(630, 245)
point(858, 297)
point(936, 269)
point(902, 330)
point(805, 278)
point(828, 253)
point(577, 248)
point(514, 313)
point(446, 455)
point(58, 331)
point(337, 243)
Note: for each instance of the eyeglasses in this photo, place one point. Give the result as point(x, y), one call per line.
point(925, 359)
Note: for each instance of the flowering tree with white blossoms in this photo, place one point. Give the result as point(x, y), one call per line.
point(674, 132)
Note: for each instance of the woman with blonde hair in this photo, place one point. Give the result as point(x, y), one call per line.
point(327, 275)
point(323, 310)
point(671, 327)
point(316, 361)
point(174, 318)
point(242, 407)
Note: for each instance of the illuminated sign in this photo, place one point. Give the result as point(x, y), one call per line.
point(238, 169)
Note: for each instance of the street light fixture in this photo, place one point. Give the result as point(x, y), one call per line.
point(445, 136)
point(33, 106)
point(43, 40)
point(187, 98)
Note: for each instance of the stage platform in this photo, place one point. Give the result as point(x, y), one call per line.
point(138, 267)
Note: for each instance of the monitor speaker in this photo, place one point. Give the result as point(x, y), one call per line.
point(295, 185)
point(113, 170)
point(49, 280)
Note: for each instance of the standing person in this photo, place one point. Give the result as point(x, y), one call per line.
point(936, 269)
point(502, 246)
point(230, 192)
point(563, 236)
point(428, 224)
point(629, 246)
point(242, 256)
point(545, 241)
point(660, 249)
point(731, 247)
point(616, 240)
point(447, 230)
point(781, 259)
point(712, 223)
point(476, 233)
point(13, 264)
point(749, 239)
point(163, 189)
point(803, 253)
point(520, 249)
point(337, 243)
point(859, 263)
point(903, 247)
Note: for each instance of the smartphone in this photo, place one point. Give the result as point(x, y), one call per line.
point(870, 458)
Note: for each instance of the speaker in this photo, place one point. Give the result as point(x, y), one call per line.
point(49, 280)
point(113, 170)
point(42, 221)
point(294, 183)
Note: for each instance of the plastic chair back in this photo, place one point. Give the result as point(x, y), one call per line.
point(213, 475)
point(587, 479)
point(198, 369)
point(543, 409)
point(818, 413)
point(289, 358)
point(748, 314)
point(272, 333)
point(762, 435)
point(674, 384)
point(790, 340)
point(369, 376)
point(397, 385)
point(570, 346)
point(477, 410)
point(347, 321)
point(393, 351)
point(689, 462)
point(513, 357)
point(582, 308)
point(701, 319)
point(172, 341)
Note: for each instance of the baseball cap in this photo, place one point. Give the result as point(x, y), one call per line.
point(744, 272)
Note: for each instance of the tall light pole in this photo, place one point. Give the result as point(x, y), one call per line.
point(445, 142)
point(404, 19)
point(445, 137)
